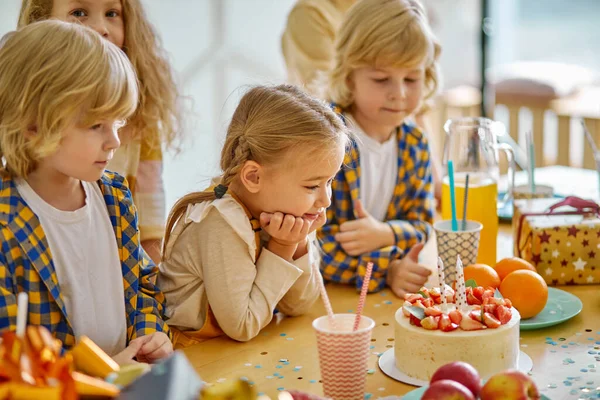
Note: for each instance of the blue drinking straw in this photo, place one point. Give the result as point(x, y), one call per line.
point(452, 196)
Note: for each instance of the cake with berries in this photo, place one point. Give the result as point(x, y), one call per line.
point(482, 330)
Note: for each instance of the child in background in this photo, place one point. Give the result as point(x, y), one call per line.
point(155, 123)
point(69, 229)
point(243, 247)
point(382, 204)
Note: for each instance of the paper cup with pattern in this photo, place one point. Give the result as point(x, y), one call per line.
point(343, 355)
point(463, 243)
point(541, 192)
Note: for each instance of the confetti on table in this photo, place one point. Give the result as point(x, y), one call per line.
point(583, 370)
point(276, 374)
point(244, 378)
point(280, 377)
point(350, 311)
point(388, 302)
point(279, 367)
point(370, 371)
point(564, 346)
point(281, 389)
point(377, 305)
point(290, 338)
point(283, 360)
point(368, 396)
point(258, 366)
point(283, 334)
point(221, 380)
point(568, 383)
point(552, 386)
point(381, 389)
point(313, 381)
point(383, 294)
point(261, 394)
point(372, 347)
point(247, 365)
point(269, 376)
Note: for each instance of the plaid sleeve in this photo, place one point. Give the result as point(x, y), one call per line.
point(417, 208)
point(8, 300)
point(150, 300)
point(337, 265)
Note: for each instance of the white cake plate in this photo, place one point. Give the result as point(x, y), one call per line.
point(387, 363)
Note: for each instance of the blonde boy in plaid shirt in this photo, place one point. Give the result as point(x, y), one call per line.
point(382, 198)
point(69, 231)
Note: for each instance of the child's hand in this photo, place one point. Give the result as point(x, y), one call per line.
point(364, 234)
point(153, 347)
point(127, 356)
point(286, 233)
point(286, 229)
point(407, 275)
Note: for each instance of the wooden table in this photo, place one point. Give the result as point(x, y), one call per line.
point(293, 339)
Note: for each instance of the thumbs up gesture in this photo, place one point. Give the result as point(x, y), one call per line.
point(365, 233)
point(407, 275)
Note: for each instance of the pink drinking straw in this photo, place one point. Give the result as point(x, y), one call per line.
point(363, 295)
point(324, 297)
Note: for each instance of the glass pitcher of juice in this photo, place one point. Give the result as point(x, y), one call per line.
point(472, 145)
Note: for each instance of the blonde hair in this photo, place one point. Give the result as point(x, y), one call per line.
point(54, 74)
point(157, 120)
point(268, 123)
point(383, 33)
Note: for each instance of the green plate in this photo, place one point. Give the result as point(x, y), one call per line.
point(561, 306)
point(417, 393)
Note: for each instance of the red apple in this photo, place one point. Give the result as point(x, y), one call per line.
point(511, 384)
point(447, 390)
point(462, 373)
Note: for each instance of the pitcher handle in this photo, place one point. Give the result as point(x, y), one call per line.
point(510, 156)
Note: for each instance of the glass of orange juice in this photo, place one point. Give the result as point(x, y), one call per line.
point(472, 145)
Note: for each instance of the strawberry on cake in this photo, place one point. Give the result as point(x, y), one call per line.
point(478, 327)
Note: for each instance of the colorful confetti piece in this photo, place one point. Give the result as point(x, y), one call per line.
point(290, 338)
point(552, 386)
point(313, 381)
point(281, 389)
point(283, 334)
point(370, 371)
point(279, 367)
point(381, 389)
point(368, 396)
point(247, 365)
point(283, 360)
point(269, 376)
point(258, 366)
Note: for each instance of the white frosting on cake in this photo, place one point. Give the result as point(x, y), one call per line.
point(420, 352)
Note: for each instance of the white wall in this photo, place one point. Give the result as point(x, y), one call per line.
point(219, 46)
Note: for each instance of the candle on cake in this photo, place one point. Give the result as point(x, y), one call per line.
point(461, 295)
point(442, 278)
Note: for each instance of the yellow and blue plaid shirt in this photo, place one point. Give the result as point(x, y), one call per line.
point(410, 212)
point(26, 265)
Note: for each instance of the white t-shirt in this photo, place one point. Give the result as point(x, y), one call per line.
point(86, 259)
point(378, 171)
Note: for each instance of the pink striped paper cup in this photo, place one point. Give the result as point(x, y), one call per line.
point(343, 355)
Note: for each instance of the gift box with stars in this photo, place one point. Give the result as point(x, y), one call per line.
point(561, 238)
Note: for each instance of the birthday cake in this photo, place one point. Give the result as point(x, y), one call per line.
point(474, 325)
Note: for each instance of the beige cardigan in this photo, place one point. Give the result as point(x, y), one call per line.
point(210, 259)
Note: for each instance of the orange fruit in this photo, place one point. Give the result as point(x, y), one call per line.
point(527, 291)
point(483, 274)
point(508, 265)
